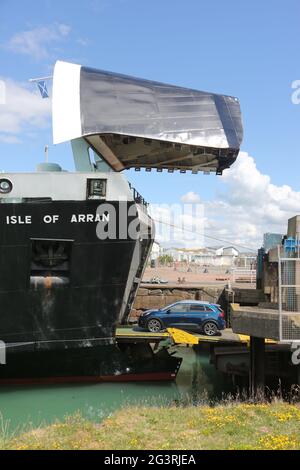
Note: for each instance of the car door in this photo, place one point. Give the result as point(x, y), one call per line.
point(175, 316)
point(195, 316)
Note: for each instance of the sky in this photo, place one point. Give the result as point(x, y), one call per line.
point(248, 49)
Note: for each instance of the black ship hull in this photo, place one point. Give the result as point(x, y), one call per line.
point(90, 365)
point(64, 287)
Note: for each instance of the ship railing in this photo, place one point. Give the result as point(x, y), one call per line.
point(137, 197)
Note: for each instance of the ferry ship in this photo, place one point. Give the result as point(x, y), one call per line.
point(74, 245)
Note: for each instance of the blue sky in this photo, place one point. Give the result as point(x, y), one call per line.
point(246, 49)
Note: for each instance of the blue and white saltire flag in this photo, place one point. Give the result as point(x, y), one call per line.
point(43, 88)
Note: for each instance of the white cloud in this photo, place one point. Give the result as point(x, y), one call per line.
point(64, 29)
point(250, 206)
point(83, 41)
point(23, 111)
point(190, 197)
point(35, 42)
point(9, 139)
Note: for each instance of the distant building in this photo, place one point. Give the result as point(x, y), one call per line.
point(246, 260)
point(227, 251)
point(213, 256)
point(271, 240)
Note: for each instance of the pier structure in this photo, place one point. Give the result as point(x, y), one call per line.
point(280, 318)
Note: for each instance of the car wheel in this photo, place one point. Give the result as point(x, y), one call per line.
point(154, 325)
point(210, 328)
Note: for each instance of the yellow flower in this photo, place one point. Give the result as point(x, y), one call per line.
point(277, 442)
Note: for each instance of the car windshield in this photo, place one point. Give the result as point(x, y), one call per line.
point(168, 307)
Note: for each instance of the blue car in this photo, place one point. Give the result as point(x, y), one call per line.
point(203, 317)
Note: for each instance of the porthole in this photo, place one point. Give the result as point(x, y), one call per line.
point(5, 186)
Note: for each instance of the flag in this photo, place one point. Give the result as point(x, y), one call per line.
point(43, 88)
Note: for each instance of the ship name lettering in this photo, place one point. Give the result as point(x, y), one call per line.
point(50, 219)
point(77, 218)
point(18, 219)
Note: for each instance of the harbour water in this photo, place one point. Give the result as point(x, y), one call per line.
point(31, 406)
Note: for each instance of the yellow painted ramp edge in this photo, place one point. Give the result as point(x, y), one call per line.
point(246, 339)
point(182, 337)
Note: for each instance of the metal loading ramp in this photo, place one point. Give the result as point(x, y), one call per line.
point(128, 334)
point(136, 123)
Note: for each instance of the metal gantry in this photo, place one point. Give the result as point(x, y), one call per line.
point(289, 291)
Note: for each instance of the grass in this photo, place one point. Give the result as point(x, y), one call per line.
point(274, 426)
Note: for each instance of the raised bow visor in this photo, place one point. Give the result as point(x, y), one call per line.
point(137, 123)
